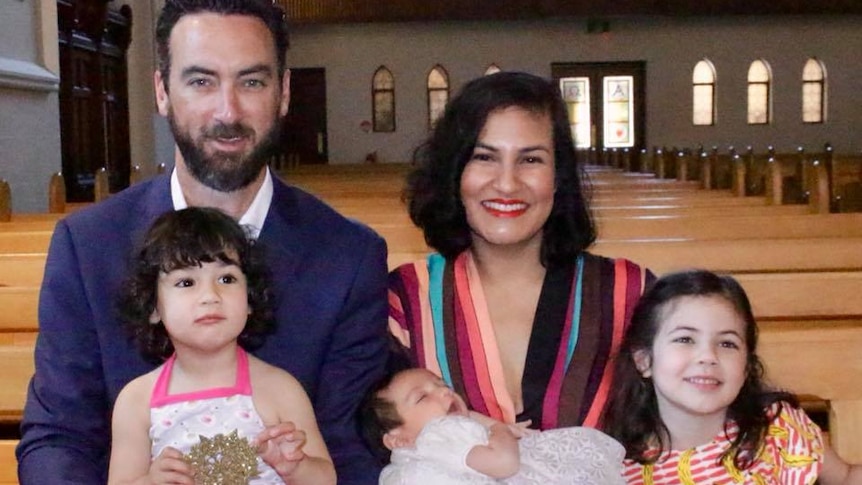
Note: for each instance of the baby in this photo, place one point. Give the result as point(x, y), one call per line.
point(425, 432)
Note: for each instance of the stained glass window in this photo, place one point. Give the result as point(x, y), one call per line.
point(703, 93)
point(618, 111)
point(576, 94)
point(383, 95)
point(813, 92)
point(759, 95)
point(438, 93)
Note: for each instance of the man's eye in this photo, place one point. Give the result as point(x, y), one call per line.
point(199, 82)
point(254, 83)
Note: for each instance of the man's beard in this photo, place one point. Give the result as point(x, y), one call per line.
point(225, 172)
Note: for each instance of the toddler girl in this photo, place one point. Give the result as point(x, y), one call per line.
point(211, 413)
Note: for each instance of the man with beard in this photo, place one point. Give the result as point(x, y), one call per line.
point(223, 85)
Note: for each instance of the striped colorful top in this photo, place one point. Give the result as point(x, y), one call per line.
point(437, 309)
point(792, 454)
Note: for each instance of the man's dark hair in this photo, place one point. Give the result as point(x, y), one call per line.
point(267, 11)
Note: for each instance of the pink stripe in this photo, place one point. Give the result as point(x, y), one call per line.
point(551, 405)
point(620, 288)
point(241, 386)
point(468, 366)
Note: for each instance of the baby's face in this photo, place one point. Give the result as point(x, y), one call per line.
point(419, 397)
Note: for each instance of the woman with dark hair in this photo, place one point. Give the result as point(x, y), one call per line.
point(512, 312)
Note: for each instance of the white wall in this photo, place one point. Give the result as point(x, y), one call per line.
point(29, 109)
point(29, 115)
point(670, 46)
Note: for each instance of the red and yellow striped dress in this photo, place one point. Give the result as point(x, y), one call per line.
point(792, 454)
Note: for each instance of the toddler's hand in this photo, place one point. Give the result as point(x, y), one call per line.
point(170, 468)
point(280, 447)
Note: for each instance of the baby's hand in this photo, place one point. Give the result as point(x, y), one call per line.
point(522, 428)
point(280, 447)
point(170, 468)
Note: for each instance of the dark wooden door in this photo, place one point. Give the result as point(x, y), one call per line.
point(617, 101)
point(304, 136)
point(94, 108)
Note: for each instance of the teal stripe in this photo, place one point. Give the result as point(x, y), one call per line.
point(436, 268)
point(576, 312)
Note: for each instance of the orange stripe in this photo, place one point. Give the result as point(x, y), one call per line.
point(477, 351)
point(620, 286)
point(428, 338)
point(489, 344)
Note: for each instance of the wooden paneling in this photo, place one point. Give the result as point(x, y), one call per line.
point(327, 11)
point(94, 119)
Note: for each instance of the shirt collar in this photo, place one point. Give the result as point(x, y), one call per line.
point(254, 215)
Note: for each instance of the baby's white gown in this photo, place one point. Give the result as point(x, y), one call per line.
point(564, 456)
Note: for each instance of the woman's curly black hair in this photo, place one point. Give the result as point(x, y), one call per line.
point(632, 416)
point(433, 187)
point(183, 239)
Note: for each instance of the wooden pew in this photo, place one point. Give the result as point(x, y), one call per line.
point(8, 463)
point(685, 227)
point(21, 269)
point(24, 242)
point(5, 201)
point(755, 242)
point(733, 227)
point(741, 255)
point(820, 359)
point(846, 183)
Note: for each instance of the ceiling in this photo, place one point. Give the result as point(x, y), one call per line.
point(349, 11)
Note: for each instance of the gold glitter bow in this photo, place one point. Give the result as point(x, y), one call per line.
point(223, 459)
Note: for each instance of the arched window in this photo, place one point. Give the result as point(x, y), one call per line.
point(759, 93)
point(383, 96)
point(492, 69)
point(438, 93)
point(813, 92)
point(703, 93)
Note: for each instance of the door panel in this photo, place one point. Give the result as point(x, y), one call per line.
point(94, 113)
point(304, 138)
point(606, 100)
